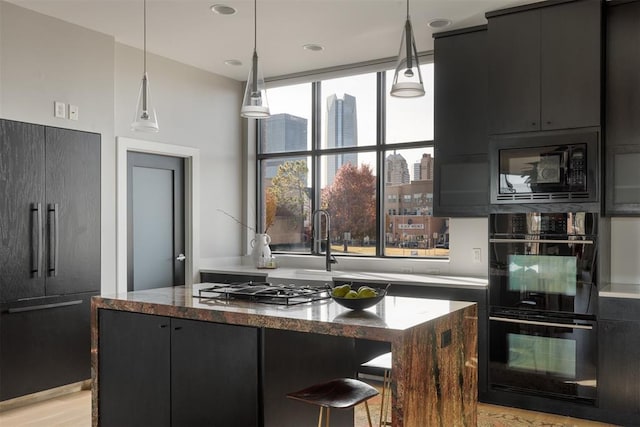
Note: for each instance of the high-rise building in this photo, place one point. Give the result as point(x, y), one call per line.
point(342, 131)
point(423, 170)
point(280, 133)
point(396, 170)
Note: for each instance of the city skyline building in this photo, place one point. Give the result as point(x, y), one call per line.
point(396, 170)
point(342, 131)
point(423, 170)
point(281, 133)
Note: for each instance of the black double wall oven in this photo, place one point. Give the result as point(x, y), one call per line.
point(543, 299)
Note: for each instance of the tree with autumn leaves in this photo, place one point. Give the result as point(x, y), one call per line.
point(350, 199)
point(351, 202)
point(288, 194)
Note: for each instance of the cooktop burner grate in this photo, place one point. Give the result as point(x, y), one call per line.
point(265, 292)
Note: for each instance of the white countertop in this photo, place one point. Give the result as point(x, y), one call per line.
point(318, 276)
point(620, 290)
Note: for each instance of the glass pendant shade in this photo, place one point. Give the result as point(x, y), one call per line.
point(407, 80)
point(146, 119)
point(255, 104)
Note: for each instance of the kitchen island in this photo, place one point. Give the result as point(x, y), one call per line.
point(433, 342)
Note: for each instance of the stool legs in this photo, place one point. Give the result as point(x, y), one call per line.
point(320, 416)
point(385, 402)
point(366, 405)
point(328, 411)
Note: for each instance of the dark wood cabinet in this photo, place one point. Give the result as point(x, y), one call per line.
point(545, 66)
point(73, 210)
point(619, 360)
point(22, 210)
point(622, 109)
point(202, 356)
point(134, 365)
point(44, 343)
point(461, 179)
point(161, 371)
point(50, 252)
point(50, 211)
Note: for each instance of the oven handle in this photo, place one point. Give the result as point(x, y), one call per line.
point(579, 242)
point(535, 322)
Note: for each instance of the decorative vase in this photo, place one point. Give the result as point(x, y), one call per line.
point(261, 252)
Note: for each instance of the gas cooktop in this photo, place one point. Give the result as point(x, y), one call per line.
point(264, 292)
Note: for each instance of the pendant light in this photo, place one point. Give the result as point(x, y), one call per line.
point(146, 119)
point(407, 80)
point(254, 104)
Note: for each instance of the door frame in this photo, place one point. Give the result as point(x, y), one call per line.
point(191, 158)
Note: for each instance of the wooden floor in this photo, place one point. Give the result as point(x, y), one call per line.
point(74, 410)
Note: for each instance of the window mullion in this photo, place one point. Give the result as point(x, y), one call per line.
point(316, 114)
point(380, 135)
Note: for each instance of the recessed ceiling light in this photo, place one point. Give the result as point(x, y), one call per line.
point(313, 47)
point(439, 23)
point(233, 62)
point(222, 9)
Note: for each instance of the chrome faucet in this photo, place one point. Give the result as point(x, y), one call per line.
point(317, 239)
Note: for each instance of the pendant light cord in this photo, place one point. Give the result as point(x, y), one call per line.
point(255, 24)
point(407, 9)
point(144, 26)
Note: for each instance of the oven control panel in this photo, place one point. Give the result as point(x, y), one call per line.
point(539, 224)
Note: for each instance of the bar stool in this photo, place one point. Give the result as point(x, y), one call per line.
point(383, 362)
point(339, 393)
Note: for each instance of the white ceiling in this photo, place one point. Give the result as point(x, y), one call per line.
point(351, 31)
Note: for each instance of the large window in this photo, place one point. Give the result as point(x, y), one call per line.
point(346, 146)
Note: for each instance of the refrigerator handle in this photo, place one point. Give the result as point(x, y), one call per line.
point(36, 240)
point(53, 239)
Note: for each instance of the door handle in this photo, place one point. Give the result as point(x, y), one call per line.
point(181, 257)
point(538, 323)
point(36, 242)
point(44, 306)
point(559, 241)
point(54, 233)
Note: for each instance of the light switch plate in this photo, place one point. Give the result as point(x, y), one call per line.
point(60, 110)
point(73, 112)
point(477, 256)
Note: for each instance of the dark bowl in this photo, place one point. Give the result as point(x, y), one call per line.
point(360, 303)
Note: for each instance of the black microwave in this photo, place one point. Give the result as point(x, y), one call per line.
point(545, 168)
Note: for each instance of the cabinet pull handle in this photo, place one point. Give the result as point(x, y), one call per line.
point(559, 241)
point(163, 326)
point(44, 306)
point(177, 328)
point(36, 240)
point(538, 323)
point(53, 239)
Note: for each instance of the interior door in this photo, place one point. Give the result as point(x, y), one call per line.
point(155, 230)
point(21, 210)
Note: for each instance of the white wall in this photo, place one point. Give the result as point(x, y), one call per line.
point(195, 109)
point(43, 59)
point(625, 250)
